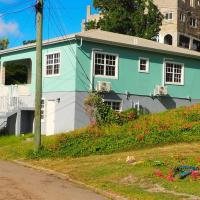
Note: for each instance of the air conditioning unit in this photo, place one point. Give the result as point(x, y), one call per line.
point(160, 90)
point(103, 86)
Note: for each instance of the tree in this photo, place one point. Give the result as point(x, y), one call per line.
point(139, 18)
point(4, 43)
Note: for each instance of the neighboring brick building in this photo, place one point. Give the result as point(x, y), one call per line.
point(181, 25)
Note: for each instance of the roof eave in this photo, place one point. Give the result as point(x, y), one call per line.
point(121, 44)
point(33, 45)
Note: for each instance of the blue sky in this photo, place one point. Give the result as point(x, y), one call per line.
point(17, 18)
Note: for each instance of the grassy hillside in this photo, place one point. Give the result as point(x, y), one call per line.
point(174, 126)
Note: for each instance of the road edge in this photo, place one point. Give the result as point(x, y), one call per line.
point(67, 178)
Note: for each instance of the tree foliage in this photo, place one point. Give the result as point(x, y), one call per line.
point(139, 18)
point(4, 43)
point(16, 74)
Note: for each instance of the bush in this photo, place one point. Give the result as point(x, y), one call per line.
point(101, 114)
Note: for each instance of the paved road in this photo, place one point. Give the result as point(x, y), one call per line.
point(21, 183)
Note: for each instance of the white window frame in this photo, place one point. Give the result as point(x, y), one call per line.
point(194, 22)
point(43, 109)
point(114, 101)
point(182, 17)
point(192, 3)
point(45, 64)
point(182, 75)
point(147, 65)
point(116, 67)
point(168, 14)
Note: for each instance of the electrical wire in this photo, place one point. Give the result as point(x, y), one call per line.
point(14, 5)
point(16, 11)
point(60, 29)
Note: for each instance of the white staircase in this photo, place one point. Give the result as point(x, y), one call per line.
point(11, 100)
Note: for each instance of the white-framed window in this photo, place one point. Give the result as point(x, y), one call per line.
point(192, 3)
point(42, 109)
point(193, 22)
point(105, 64)
point(169, 16)
point(174, 73)
point(114, 104)
point(198, 2)
point(53, 64)
point(182, 17)
point(143, 65)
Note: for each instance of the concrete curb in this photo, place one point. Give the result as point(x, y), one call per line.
point(66, 177)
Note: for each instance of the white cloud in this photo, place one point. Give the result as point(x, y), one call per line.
point(9, 28)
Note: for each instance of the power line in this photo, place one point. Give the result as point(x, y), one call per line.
point(60, 29)
point(66, 52)
point(16, 11)
point(14, 5)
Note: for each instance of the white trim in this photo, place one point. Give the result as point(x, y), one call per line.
point(182, 75)
point(116, 68)
point(92, 71)
point(147, 65)
point(45, 64)
point(169, 12)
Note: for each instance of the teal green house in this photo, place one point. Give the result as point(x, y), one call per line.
point(128, 71)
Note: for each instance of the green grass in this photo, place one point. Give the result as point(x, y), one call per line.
point(171, 138)
point(173, 126)
point(12, 147)
point(110, 172)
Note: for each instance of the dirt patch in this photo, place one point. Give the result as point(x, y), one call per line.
point(130, 179)
point(154, 188)
point(159, 189)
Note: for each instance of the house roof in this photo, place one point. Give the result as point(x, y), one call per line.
point(114, 39)
point(136, 42)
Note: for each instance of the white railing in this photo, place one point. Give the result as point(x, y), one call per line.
point(9, 104)
point(2, 125)
point(13, 97)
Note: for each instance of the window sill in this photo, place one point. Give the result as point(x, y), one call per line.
point(176, 84)
point(49, 76)
point(106, 77)
point(145, 72)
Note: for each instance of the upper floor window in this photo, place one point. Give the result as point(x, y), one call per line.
point(192, 3)
point(174, 73)
point(198, 2)
point(182, 17)
point(105, 64)
point(53, 64)
point(193, 22)
point(169, 16)
point(143, 65)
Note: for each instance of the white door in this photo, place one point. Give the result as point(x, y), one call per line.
point(50, 117)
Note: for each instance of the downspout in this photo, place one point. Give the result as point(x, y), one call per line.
point(91, 72)
point(81, 44)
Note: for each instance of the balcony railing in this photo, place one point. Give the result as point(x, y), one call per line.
point(14, 97)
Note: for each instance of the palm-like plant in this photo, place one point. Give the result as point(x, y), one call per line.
point(4, 43)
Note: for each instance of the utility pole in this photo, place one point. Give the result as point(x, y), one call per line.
point(38, 89)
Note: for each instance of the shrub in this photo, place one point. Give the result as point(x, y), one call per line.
point(101, 114)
